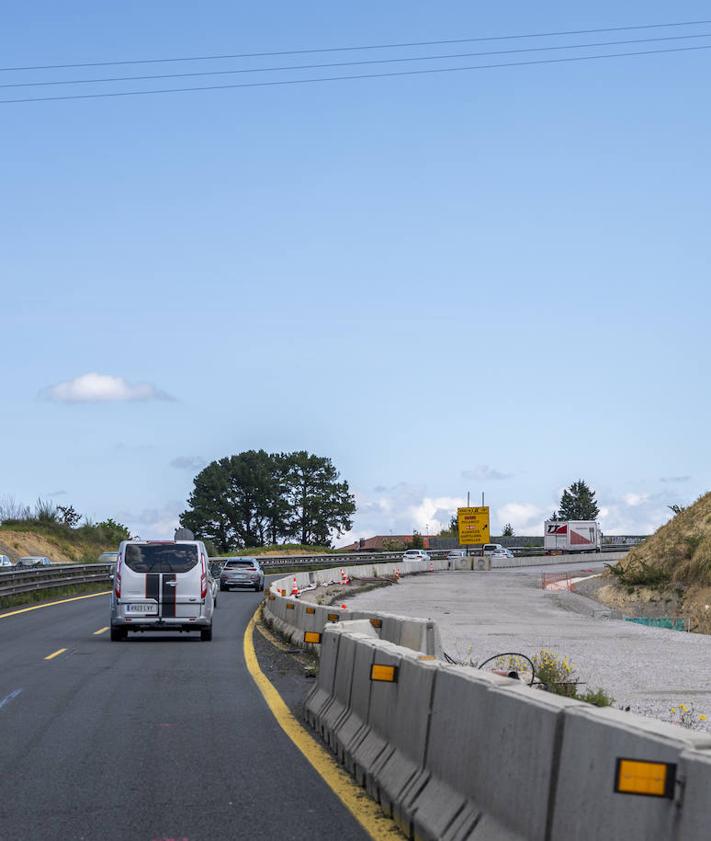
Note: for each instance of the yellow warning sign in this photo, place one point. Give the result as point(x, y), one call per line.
point(473, 525)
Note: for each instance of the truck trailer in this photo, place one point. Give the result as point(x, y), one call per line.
point(563, 536)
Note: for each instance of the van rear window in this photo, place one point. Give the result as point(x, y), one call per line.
point(156, 558)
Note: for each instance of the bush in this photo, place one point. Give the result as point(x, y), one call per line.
point(557, 674)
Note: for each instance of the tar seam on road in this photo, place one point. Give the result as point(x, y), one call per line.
point(358, 803)
point(55, 654)
point(51, 604)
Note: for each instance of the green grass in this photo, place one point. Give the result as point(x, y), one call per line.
point(52, 594)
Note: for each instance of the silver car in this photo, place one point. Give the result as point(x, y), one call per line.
point(242, 572)
point(33, 561)
point(5, 561)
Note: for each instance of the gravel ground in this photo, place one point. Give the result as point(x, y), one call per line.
point(480, 614)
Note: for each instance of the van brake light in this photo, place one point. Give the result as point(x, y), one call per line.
point(117, 579)
point(203, 577)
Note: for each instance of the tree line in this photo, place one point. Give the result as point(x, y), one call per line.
point(257, 498)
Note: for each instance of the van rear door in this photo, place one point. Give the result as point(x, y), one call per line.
point(168, 574)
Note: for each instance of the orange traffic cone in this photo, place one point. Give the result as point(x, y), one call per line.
point(431, 566)
point(397, 573)
point(294, 589)
point(344, 577)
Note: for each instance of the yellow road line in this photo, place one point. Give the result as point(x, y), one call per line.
point(101, 631)
point(364, 810)
point(51, 604)
point(55, 654)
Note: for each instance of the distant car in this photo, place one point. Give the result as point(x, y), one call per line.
point(416, 555)
point(32, 561)
point(107, 558)
point(242, 572)
point(455, 554)
point(5, 561)
point(502, 552)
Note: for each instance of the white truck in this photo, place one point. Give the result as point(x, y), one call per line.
point(563, 536)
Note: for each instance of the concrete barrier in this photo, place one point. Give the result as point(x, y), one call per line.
point(587, 807)
point(694, 823)
point(545, 560)
point(454, 753)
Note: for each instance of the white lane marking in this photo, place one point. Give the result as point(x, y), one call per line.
point(10, 697)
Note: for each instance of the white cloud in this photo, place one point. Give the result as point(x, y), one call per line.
point(102, 388)
point(154, 523)
point(525, 517)
point(484, 473)
point(188, 463)
point(635, 499)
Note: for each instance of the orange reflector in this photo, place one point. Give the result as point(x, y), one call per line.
point(312, 636)
point(376, 623)
point(333, 617)
point(282, 592)
point(426, 657)
point(311, 610)
point(640, 776)
point(290, 605)
point(381, 672)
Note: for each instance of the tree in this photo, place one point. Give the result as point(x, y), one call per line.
point(231, 503)
point(677, 509)
point(318, 504)
point(255, 497)
point(578, 503)
point(508, 531)
point(417, 542)
point(68, 515)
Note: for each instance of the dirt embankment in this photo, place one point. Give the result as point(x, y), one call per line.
point(669, 574)
point(16, 544)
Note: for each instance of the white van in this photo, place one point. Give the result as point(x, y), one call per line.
point(162, 586)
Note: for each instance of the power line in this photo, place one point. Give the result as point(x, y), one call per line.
point(203, 73)
point(391, 74)
point(356, 48)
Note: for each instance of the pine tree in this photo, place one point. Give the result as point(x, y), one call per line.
point(578, 503)
point(508, 531)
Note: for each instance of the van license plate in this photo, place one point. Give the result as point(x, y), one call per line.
point(141, 608)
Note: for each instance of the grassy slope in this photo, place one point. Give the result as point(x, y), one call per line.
point(676, 560)
point(57, 542)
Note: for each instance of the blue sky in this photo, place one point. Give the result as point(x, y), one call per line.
point(491, 280)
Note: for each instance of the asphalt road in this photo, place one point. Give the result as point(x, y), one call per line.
point(154, 739)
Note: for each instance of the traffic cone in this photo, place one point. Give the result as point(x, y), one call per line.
point(294, 589)
point(397, 573)
point(431, 566)
point(344, 577)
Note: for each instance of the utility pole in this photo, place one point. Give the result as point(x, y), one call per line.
point(467, 499)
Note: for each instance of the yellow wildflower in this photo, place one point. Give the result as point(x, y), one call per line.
point(683, 708)
point(703, 717)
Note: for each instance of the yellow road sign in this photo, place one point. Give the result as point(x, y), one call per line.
point(473, 525)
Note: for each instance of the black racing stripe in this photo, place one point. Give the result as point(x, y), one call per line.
point(152, 585)
point(168, 593)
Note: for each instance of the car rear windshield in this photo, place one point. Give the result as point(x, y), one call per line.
point(156, 558)
point(230, 564)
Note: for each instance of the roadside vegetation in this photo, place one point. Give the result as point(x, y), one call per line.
point(59, 532)
point(673, 565)
point(52, 594)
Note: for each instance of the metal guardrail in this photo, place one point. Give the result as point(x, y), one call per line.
point(355, 558)
point(15, 582)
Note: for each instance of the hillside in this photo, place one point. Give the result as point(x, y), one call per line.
point(675, 564)
point(59, 543)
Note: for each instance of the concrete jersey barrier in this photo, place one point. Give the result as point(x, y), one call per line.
point(452, 753)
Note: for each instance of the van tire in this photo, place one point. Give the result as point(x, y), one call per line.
point(118, 634)
point(206, 634)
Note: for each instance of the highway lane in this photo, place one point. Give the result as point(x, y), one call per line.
point(156, 738)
